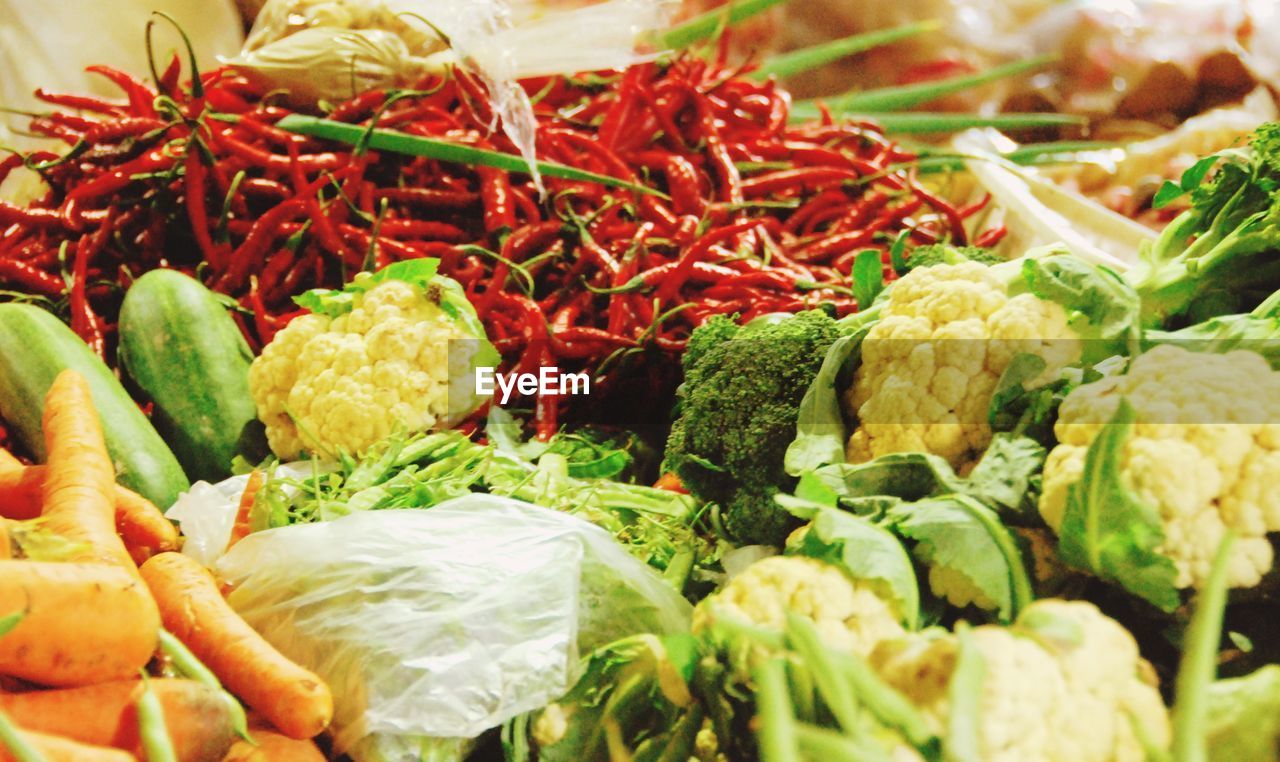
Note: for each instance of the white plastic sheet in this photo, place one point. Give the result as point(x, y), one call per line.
point(434, 625)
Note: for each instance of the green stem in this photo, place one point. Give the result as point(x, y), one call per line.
point(157, 745)
point(906, 96)
point(19, 747)
point(836, 693)
point(926, 121)
point(806, 59)
point(1199, 664)
point(820, 743)
point(704, 27)
point(776, 729)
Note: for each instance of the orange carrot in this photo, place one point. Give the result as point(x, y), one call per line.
point(84, 622)
point(292, 698)
point(139, 522)
point(6, 551)
point(241, 528)
point(142, 526)
point(272, 746)
point(58, 749)
point(197, 716)
point(80, 480)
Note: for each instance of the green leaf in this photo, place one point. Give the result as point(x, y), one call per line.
point(820, 426)
point(337, 302)
point(506, 434)
point(799, 61)
point(1004, 477)
point(1191, 179)
point(965, 539)
point(1224, 334)
point(1169, 192)
point(1107, 530)
point(907, 475)
point(1243, 720)
point(1199, 663)
point(393, 141)
point(963, 739)
point(1103, 308)
point(9, 621)
point(868, 277)
point(901, 97)
point(864, 551)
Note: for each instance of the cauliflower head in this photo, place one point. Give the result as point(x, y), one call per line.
point(1065, 683)
point(848, 613)
point(329, 384)
point(931, 364)
point(1203, 452)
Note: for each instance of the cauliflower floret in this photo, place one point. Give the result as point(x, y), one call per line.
point(1063, 684)
point(931, 364)
point(342, 384)
point(1202, 452)
point(848, 613)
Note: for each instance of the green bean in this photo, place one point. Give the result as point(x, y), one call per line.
point(157, 746)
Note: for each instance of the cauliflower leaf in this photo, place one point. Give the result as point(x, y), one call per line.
point(338, 302)
point(866, 551)
point(1108, 531)
point(820, 426)
point(972, 557)
point(1244, 717)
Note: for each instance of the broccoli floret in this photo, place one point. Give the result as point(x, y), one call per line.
point(1222, 255)
point(946, 254)
point(737, 412)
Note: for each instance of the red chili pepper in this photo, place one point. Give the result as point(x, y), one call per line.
point(260, 157)
point(25, 275)
point(80, 102)
point(33, 217)
point(254, 248)
point(141, 97)
point(197, 212)
point(671, 285)
point(495, 193)
point(428, 197)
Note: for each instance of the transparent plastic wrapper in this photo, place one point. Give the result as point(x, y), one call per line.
point(330, 50)
point(432, 626)
point(206, 513)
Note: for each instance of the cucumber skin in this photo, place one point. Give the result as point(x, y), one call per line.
point(35, 347)
point(180, 347)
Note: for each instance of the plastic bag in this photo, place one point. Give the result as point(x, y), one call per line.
point(206, 513)
point(432, 626)
point(310, 47)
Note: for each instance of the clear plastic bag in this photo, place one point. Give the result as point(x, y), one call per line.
point(432, 626)
point(309, 47)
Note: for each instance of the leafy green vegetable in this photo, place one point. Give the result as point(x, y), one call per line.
point(865, 551)
point(1220, 255)
point(820, 426)
point(419, 273)
point(1191, 178)
point(639, 684)
point(1107, 530)
point(423, 470)
point(963, 538)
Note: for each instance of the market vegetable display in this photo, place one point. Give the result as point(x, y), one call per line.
point(846, 478)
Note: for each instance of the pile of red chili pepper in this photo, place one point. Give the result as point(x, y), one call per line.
point(755, 216)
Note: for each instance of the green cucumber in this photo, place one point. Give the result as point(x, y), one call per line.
point(35, 347)
point(180, 347)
